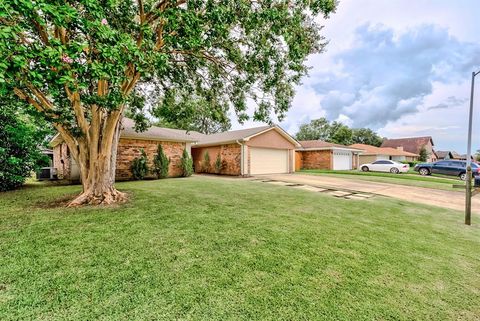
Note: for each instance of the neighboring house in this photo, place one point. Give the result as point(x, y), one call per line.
point(317, 154)
point(261, 150)
point(442, 155)
point(413, 145)
point(373, 153)
point(461, 156)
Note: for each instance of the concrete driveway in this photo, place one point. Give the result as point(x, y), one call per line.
point(447, 199)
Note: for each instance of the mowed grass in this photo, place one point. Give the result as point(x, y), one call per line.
point(408, 179)
point(206, 248)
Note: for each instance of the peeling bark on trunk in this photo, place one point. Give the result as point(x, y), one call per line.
point(96, 156)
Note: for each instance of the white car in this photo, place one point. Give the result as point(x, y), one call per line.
point(385, 165)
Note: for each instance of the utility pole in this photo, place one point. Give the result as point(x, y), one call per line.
point(468, 195)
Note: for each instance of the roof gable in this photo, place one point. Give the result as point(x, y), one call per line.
point(242, 135)
point(411, 144)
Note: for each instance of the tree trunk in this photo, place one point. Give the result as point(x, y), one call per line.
point(97, 154)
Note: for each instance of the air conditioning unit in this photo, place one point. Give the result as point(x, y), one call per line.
point(45, 173)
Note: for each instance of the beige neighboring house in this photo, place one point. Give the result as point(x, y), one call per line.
point(413, 145)
point(317, 154)
point(373, 153)
point(253, 151)
point(261, 150)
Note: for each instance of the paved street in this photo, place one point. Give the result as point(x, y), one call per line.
point(447, 199)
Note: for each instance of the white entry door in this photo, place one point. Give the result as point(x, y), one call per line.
point(342, 160)
point(268, 161)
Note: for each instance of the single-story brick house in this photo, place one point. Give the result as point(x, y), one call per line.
point(261, 150)
point(130, 145)
point(373, 153)
point(317, 154)
point(253, 151)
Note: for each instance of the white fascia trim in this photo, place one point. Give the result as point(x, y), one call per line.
point(56, 140)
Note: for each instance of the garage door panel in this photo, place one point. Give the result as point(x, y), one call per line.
point(342, 160)
point(268, 161)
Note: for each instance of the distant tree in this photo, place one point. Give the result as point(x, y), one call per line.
point(366, 136)
point(477, 156)
point(340, 134)
point(317, 129)
point(423, 154)
point(201, 115)
point(21, 140)
point(337, 132)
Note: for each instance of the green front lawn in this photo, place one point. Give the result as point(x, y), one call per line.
point(215, 249)
point(409, 179)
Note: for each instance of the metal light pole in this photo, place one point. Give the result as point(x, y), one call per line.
point(468, 196)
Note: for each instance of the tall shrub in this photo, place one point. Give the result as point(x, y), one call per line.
point(160, 163)
point(218, 164)
point(187, 164)
point(423, 154)
point(206, 162)
point(140, 166)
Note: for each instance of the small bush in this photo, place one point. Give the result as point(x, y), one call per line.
point(411, 163)
point(218, 164)
point(206, 162)
point(187, 164)
point(140, 166)
point(161, 163)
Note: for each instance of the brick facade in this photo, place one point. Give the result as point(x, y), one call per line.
point(230, 154)
point(128, 149)
point(61, 160)
point(318, 159)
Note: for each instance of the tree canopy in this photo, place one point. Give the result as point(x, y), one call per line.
point(21, 141)
point(82, 63)
point(192, 114)
point(338, 133)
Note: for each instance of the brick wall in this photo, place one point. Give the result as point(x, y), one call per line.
point(61, 161)
point(318, 159)
point(128, 149)
point(230, 155)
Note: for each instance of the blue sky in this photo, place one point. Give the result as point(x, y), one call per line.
point(402, 68)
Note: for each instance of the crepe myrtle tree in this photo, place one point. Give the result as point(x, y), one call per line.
point(83, 63)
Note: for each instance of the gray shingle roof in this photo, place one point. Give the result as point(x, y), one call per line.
point(230, 136)
point(158, 133)
point(312, 144)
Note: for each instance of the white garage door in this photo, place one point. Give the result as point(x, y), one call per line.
point(342, 160)
point(268, 161)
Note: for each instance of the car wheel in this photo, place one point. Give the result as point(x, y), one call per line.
point(463, 176)
point(394, 170)
point(364, 169)
point(424, 171)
